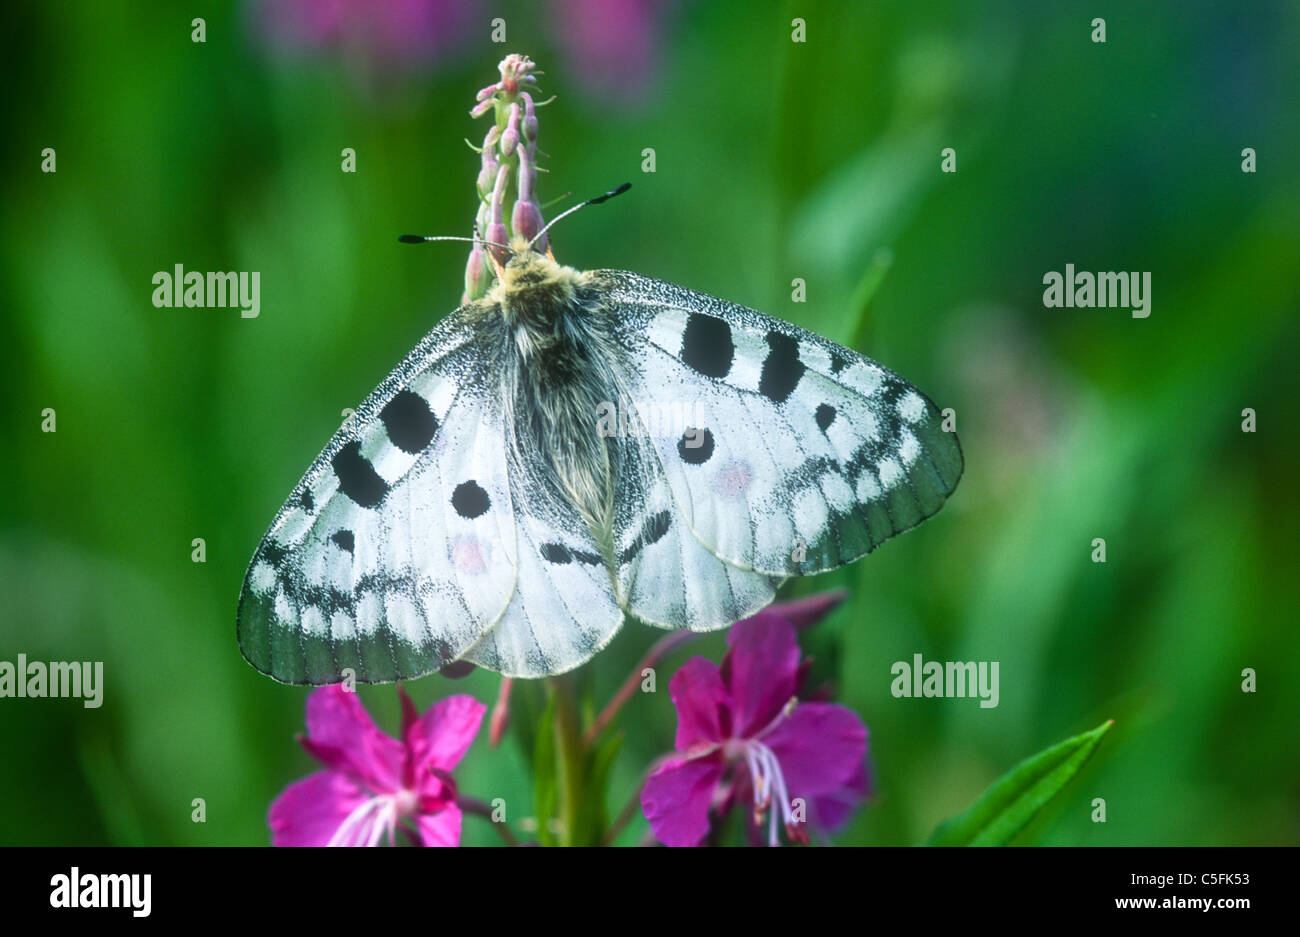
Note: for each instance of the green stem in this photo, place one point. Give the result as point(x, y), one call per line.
point(569, 757)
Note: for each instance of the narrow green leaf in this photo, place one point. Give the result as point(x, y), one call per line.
point(600, 760)
point(1004, 809)
point(545, 790)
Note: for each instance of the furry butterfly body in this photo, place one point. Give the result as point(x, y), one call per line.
point(474, 508)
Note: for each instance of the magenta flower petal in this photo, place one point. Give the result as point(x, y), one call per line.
point(761, 670)
point(441, 828)
point(702, 703)
point(337, 721)
point(309, 812)
point(677, 796)
point(745, 738)
point(831, 811)
point(376, 786)
point(440, 738)
point(820, 747)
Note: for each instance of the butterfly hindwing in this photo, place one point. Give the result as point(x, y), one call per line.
point(810, 454)
point(666, 577)
point(562, 610)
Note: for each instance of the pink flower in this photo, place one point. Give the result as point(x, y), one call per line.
point(373, 783)
point(391, 36)
point(611, 45)
point(743, 735)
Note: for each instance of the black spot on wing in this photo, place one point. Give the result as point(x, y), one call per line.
point(357, 477)
point(307, 501)
point(409, 421)
point(554, 553)
point(825, 416)
point(274, 553)
point(707, 345)
point(470, 500)
point(652, 531)
point(838, 362)
point(696, 446)
point(782, 368)
point(656, 527)
point(889, 427)
point(559, 555)
point(344, 540)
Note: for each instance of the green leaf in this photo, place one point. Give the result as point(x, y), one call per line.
point(601, 760)
point(1004, 809)
point(545, 791)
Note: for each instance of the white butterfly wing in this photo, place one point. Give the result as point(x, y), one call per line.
point(400, 550)
point(426, 531)
point(811, 456)
point(666, 577)
point(563, 609)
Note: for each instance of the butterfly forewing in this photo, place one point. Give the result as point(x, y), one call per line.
point(397, 548)
point(811, 455)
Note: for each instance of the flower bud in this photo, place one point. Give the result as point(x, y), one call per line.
point(530, 123)
point(478, 275)
point(526, 219)
point(510, 138)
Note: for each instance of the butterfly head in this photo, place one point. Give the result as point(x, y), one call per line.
point(532, 280)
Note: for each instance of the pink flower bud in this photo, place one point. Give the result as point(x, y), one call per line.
point(527, 176)
point(530, 123)
point(526, 219)
point(498, 235)
point(478, 274)
point(510, 138)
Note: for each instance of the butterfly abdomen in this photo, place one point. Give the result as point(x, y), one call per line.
point(561, 352)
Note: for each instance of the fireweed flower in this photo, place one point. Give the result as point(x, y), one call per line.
point(391, 37)
point(744, 736)
point(373, 783)
point(507, 178)
point(612, 45)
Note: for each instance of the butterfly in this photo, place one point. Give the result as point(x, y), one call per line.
point(481, 506)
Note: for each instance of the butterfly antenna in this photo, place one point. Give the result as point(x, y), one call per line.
point(422, 238)
point(591, 201)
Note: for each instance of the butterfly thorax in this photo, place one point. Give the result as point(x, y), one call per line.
point(559, 353)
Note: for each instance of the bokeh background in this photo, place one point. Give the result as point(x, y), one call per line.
point(774, 160)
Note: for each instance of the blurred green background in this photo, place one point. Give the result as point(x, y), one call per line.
point(775, 160)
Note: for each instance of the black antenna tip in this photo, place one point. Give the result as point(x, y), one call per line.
point(410, 239)
point(610, 194)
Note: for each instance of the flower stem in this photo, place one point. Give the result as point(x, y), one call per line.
point(478, 808)
point(661, 648)
point(570, 757)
